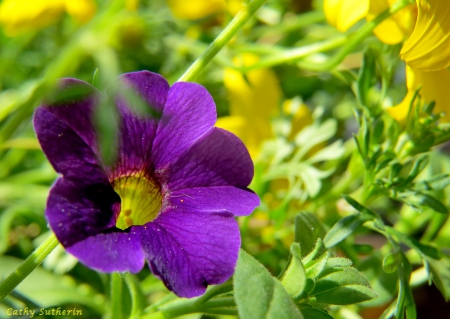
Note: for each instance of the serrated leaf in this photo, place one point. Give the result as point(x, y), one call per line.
point(294, 276)
point(343, 228)
point(307, 229)
point(391, 262)
point(342, 287)
point(258, 295)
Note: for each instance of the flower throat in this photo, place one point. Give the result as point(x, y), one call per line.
point(140, 200)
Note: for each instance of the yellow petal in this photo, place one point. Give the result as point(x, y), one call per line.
point(343, 14)
point(301, 116)
point(195, 9)
point(254, 98)
point(26, 15)
point(397, 27)
point(81, 10)
point(428, 48)
point(434, 86)
point(238, 126)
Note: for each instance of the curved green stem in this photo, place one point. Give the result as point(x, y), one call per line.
point(30, 264)
point(224, 37)
point(116, 296)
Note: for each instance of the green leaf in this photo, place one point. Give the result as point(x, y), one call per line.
point(366, 78)
point(342, 287)
point(391, 262)
point(307, 229)
point(294, 276)
point(418, 167)
point(360, 208)
point(315, 267)
point(422, 249)
point(46, 289)
point(343, 228)
point(258, 295)
point(312, 313)
point(436, 182)
point(431, 202)
point(317, 251)
point(334, 262)
point(440, 269)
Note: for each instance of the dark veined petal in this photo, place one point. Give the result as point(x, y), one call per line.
point(190, 250)
point(189, 113)
point(219, 158)
point(137, 132)
point(67, 151)
point(75, 213)
point(111, 251)
point(428, 47)
point(240, 202)
point(73, 103)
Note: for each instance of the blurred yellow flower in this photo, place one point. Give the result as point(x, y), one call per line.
point(396, 28)
point(428, 48)
point(343, 14)
point(434, 86)
point(254, 98)
point(198, 9)
point(26, 15)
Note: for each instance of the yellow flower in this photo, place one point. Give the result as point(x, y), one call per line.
point(26, 15)
point(396, 28)
point(428, 48)
point(343, 14)
point(198, 9)
point(253, 100)
point(434, 86)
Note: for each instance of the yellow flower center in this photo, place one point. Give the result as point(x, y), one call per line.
point(140, 200)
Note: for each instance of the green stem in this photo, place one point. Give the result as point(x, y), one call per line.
point(116, 296)
point(350, 43)
point(34, 260)
point(136, 296)
point(224, 37)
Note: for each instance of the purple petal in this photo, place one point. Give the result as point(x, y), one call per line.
point(113, 251)
point(74, 106)
point(66, 150)
point(240, 202)
point(219, 158)
point(190, 250)
point(76, 213)
point(188, 114)
point(137, 132)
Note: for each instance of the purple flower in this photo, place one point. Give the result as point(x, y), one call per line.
point(170, 197)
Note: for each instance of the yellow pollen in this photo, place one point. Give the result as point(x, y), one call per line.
point(140, 200)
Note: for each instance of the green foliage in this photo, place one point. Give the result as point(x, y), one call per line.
point(372, 191)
